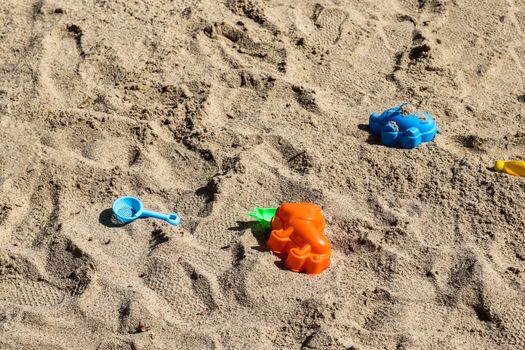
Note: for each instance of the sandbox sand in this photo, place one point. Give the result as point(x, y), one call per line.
point(210, 108)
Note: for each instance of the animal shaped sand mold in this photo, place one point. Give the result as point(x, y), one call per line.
point(403, 126)
point(128, 209)
point(297, 233)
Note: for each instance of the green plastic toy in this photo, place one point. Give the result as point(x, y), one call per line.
point(263, 215)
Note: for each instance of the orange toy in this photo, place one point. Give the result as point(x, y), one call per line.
point(297, 230)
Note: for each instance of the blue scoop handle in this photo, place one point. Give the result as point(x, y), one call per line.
point(171, 218)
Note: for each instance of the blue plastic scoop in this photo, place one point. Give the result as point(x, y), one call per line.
point(127, 209)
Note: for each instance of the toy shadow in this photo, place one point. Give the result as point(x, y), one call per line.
point(257, 230)
point(107, 219)
point(372, 139)
point(261, 234)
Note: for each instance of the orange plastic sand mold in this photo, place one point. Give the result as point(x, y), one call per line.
point(297, 231)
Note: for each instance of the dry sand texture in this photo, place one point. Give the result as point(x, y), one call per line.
point(209, 108)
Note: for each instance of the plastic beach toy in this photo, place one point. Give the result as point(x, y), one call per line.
point(127, 209)
point(297, 233)
point(263, 215)
point(512, 167)
point(403, 126)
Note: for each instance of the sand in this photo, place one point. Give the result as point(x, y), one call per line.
point(211, 108)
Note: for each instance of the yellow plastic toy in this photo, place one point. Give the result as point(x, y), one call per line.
point(512, 167)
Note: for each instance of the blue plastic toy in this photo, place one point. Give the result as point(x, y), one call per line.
point(403, 126)
point(127, 209)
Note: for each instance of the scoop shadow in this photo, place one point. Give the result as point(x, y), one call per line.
point(107, 219)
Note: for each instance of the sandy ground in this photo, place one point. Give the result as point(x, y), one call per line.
point(210, 108)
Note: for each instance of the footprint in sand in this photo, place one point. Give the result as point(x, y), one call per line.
point(42, 209)
point(59, 69)
point(180, 284)
point(329, 22)
point(21, 283)
point(30, 293)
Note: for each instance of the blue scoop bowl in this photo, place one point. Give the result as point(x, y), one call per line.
point(127, 209)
